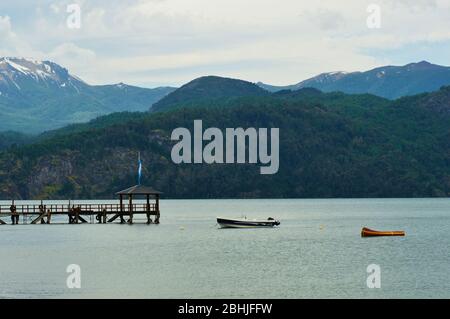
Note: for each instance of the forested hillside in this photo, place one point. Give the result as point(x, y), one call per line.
point(331, 145)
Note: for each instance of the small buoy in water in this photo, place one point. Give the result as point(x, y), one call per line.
point(321, 227)
point(182, 228)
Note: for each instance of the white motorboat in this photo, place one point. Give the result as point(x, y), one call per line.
point(247, 223)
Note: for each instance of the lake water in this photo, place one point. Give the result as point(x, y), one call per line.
point(317, 252)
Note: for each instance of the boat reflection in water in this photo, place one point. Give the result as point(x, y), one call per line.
point(247, 223)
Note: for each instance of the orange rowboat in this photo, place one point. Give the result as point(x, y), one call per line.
point(366, 232)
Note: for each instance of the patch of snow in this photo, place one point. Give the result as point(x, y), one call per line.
point(42, 74)
point(336, 73)
point(36, 62)
point(48, 68)
point(74, 86)
point(18, 67)
point(17, 85)
point(380, 74)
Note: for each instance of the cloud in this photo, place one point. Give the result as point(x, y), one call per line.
point(324, 19)
point(12, 44)
point(73, 57)
point(151, 42)
point(70, 51)
point(55, 8)
point(6, 34)
point(5, 25)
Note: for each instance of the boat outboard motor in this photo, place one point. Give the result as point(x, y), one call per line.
point(276, 222)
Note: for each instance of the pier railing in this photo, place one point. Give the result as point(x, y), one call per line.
point(85, 209)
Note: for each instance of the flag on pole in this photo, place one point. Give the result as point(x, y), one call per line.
point(139, 169)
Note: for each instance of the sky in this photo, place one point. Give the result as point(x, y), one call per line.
point(154, 43)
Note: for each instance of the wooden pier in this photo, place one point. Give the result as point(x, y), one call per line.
point(122, 211)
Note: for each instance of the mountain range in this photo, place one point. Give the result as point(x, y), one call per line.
point(390, 82)
point(37, 96)
point(331, 145)
point(41, 95)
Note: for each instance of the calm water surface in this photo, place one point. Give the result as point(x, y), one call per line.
point(317, 252)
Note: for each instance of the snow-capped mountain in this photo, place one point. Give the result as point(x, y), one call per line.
point(324, 78)
point(388, 81)
point(42, 95)
point(19, 75)
point(321, 79)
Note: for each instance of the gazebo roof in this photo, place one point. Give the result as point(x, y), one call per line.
point(139, 190)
